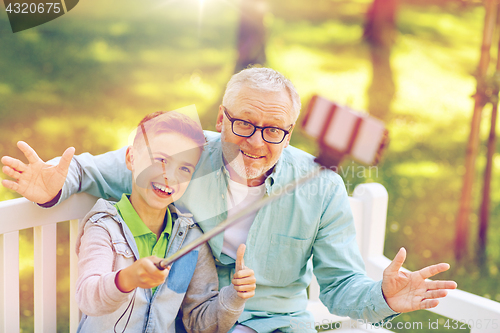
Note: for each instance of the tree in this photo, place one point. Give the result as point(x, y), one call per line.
point(379, 32)
point(484, 213)
point(251, 34)
point(251, 45)
point(480, 100)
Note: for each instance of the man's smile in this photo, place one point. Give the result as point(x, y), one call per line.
point(251, 156)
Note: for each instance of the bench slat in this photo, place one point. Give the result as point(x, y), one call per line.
point(458, 305)
point(483, 314)
point(9, 283)
point(45, 244)
point(74, 311)
point(18, 214)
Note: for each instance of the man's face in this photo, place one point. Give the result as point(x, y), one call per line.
point(158, 184)
point(251, 158)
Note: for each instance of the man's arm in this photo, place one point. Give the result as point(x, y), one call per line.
point(346, 290)
point(103, 175)
point(338, 266)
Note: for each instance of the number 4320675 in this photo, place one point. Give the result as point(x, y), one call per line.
point(25, 8)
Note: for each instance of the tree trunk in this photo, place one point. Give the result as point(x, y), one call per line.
point(251, 45)
point(462, 229)
point(485, 203)
point(380, 29)
point(251, 34)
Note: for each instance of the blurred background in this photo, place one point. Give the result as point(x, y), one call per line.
point(88, 77)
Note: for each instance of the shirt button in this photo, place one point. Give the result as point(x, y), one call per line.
point(180, 233)
point(223, 196)
point(126, 251)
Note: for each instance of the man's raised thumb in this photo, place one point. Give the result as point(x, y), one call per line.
point(240, 262)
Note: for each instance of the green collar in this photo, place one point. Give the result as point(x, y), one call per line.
point(134, 222)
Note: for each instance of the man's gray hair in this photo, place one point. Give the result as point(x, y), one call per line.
point(262, 80)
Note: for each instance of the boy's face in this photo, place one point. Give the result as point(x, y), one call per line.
point(160, 183)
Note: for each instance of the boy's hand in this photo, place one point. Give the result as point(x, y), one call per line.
point(37, 181)
point(142, 273)
point(243, 278)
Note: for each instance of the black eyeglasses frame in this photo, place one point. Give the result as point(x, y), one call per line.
point(255, 127)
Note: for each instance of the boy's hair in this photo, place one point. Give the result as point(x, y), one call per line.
point(168, 122)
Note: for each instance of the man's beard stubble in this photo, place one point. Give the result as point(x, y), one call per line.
point(234, 158)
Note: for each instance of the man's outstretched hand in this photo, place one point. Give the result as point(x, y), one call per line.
point(37, 181)
point(405, 292)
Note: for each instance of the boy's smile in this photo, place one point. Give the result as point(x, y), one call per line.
point(161, 189)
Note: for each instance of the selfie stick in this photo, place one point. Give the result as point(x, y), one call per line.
point(233, 219)
point(163, 264)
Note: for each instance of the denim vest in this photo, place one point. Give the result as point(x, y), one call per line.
point(151, 312)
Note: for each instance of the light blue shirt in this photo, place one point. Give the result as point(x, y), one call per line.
point(311, 227)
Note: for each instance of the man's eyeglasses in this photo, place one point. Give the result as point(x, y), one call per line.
point(245, 129)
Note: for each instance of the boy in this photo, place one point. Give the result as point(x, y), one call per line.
point(119, 244)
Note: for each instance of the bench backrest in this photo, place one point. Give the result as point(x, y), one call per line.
point(20, 214)
point(369, 207)
point(369, 204)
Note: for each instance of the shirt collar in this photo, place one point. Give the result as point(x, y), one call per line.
point(133, 220)
point(276, 171)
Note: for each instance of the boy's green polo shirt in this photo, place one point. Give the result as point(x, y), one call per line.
point(145, 239)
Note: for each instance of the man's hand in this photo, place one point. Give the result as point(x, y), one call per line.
point(243, 278)
point(37, 181)
point(142, 273)
point(405, 292)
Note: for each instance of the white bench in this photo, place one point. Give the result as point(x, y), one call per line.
point(369, 206)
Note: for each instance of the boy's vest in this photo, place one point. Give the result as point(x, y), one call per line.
point(150, 313)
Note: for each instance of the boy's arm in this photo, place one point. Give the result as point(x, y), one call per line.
point(141, 274)
point(96, 291)
point(204, 309)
